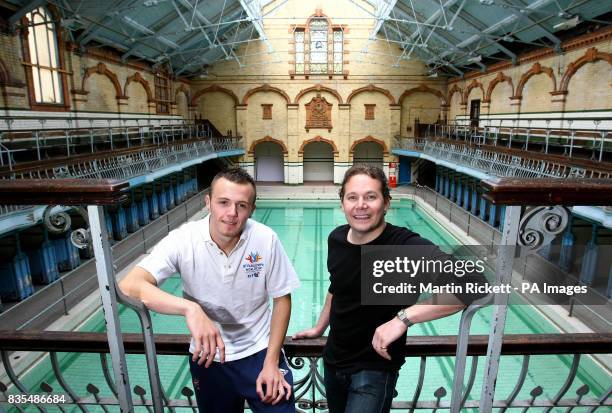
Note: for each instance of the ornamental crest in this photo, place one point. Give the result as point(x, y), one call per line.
point(318, 114)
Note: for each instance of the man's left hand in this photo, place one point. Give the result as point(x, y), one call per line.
point(386, 334)
point(275, 384)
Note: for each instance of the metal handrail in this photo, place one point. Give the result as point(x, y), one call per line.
point(305, 354)
point(502, 162)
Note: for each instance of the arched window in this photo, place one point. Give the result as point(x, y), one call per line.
point(318, 47)
point(44, 59)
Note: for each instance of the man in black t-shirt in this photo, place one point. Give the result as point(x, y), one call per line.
point(364, 349)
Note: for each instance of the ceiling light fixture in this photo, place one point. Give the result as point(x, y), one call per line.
point(567, 24)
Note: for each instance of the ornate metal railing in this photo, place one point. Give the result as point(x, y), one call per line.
point(122, 165)
point(19, 146)
point(573, 137)
point(304, 358)
point(514, 193)
point(128, 165)
point(503, 162)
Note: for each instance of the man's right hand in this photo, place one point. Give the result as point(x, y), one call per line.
point(313, 332)
point(206, 336)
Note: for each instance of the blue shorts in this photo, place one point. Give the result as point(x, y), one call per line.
point(223, 388)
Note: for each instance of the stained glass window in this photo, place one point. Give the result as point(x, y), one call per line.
point(317, 52)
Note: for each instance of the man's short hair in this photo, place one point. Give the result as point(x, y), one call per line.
point(237, 176)
point(374, 172)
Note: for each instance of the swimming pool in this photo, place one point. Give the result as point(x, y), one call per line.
point(303, 227)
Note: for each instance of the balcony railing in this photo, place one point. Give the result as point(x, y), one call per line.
point(89, 136)
point(503, 162)
point(571, 137)
point(304, 357)
point(548, 194)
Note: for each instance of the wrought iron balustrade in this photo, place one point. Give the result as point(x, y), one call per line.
point(134, 163)
point(25, 145)
point(503, 162)
point(304, 357)
point(571, 137)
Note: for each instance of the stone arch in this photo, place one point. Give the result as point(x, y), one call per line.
point(590, 56)
point(101, 69)
point(423, 89)
point(501, 77)
point(318, 88)
point(454, 90)
point(370, 139)
point(214, 88)
point(265, 88)
point(268, 139)
point(318, 139)
point(371, 88)
point(536, 69)
point(181, 89)
point(474, 84)
point(137, 77)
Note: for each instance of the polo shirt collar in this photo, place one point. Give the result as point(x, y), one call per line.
point(243, 236)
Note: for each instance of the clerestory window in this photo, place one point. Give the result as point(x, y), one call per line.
point(319, 48)
point(42, 57)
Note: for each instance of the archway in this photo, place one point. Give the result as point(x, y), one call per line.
point(318, 162)
point(368, 153)
point(269, 162)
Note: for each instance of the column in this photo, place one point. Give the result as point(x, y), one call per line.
point(247, 162)
point(493, 215)
point(474, 201)
point(466, 194)
point(395, 124)
point(502, 213)
point(567, 248)
point(459, 190)
point(446, 184)
point(483, 209)
point(294, 169)
point(341, 160)
point(589, 261)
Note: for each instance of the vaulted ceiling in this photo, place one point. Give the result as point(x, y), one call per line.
point(451, 36)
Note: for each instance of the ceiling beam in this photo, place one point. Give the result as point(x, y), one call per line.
point(89, 33)
point(15, 17)
point(255, 16)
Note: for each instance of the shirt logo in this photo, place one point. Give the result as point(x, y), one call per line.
point(253, 257)
point(254, 266)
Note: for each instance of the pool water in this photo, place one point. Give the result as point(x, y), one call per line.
point(303, 227)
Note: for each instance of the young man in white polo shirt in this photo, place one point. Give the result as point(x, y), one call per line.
point(230, 267)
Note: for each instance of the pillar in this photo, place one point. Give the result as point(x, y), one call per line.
point(466, 195)
point(492, 215)
point(294, 171)
point(474, 201)
point(483, 209)
point(589, 261)
point(567, 248)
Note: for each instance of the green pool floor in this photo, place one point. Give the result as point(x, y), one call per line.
point(303, 227)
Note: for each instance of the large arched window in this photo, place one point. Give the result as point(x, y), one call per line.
point(318, 47)
point(44, 60)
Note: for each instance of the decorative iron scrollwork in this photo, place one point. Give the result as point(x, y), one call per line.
point(59, 222)
point(540, 225)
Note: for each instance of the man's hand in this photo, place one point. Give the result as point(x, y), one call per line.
point(312, 332)
point(276, 385)
point(206, 336)
point(386, 334)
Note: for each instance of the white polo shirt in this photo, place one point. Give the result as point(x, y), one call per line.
point(233, 290)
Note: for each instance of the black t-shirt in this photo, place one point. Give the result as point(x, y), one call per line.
point(352, 325)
